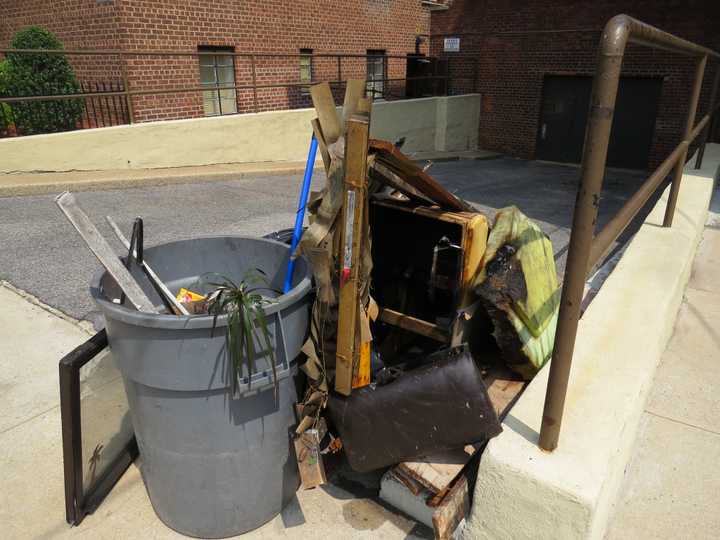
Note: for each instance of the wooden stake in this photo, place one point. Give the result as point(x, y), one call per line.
point(353, 214)
point(322, 145)
point(104, 253)
point(324, 104)
point(354, 92)
point(310, 460)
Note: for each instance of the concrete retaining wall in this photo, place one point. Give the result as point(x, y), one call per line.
point(428, 124)
point(522, 492)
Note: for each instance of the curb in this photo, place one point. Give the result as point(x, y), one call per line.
point(85, 326)
point(125, 180)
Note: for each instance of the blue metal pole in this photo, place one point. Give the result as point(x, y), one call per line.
point(300, 216)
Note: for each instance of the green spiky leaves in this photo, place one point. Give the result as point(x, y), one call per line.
point(247, 337)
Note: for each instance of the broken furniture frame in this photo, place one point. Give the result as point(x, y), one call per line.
point(587, 249)
point(460, 236)
point(80, 501)
point(472, 232)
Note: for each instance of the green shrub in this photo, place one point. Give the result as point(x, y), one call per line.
point(6, 118)
point(41, 74)
point(5, 110)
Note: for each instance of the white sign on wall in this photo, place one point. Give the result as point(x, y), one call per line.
point(452, 44)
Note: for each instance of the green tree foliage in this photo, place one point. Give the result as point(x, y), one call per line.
point(5, 110)
point(37, 74)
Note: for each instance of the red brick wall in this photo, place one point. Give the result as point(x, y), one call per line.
point(513, 45)
point(250, 26)
point(261, 26)
point(79, 24)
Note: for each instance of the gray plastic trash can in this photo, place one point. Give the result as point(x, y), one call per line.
point(214, 465)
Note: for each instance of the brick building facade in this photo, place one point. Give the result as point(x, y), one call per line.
point(514, 48)
point(260, 27)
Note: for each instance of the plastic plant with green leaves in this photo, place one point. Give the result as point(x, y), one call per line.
point(246, 323)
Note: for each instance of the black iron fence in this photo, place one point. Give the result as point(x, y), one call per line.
point(159, 85)
point(104, 105)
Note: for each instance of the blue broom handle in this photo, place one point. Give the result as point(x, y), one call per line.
point(300, 216)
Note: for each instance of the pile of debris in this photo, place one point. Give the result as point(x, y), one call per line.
point(426, 325)
point(427, 322)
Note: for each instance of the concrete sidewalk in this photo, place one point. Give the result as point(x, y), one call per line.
point(32, 503)
point(670, 490)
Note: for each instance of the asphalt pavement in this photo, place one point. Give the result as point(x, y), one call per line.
point(41, 253)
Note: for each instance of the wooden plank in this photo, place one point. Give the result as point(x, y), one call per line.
point(354, 91)
point(386, 176)
point(458, 218)
point(437, 472)
point(353, 214)
point(452, 510)
point(309, 459)
point(322, 144)
point(393, 158)
point(150, 272)
point(324, 104)
point(104, 253)
point(411, 484)
point(364, 107)
point(503, 389)
point(415, 325)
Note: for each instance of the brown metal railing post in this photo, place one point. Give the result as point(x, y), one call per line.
point(339, 66)
point(126, 89)
point(689, 125)
point(711, 125)
point(597, 138)
point(254, 83)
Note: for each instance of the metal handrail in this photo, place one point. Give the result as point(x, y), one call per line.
point(199, 88)
point(586, 249)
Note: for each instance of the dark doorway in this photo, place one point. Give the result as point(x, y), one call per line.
point(418, 67)
point(563, 118)
point(426, 76)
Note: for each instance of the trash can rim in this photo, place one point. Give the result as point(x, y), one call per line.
point(157, 320)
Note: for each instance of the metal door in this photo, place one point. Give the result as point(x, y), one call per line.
point(634, 123)
point(562, 118)
point(564, 112)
